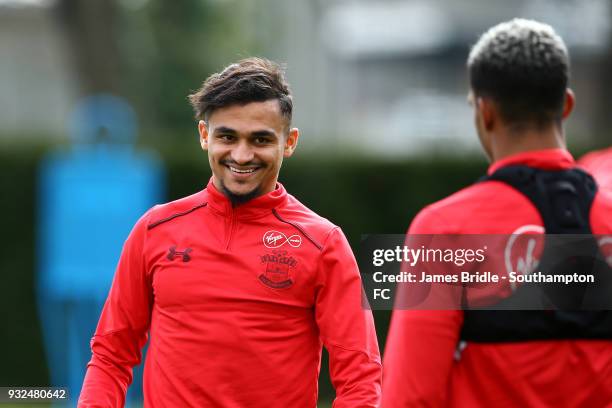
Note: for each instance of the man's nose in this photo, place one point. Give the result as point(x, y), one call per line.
point(242, 153)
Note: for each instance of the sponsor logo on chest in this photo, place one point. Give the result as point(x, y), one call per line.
point(274, 239)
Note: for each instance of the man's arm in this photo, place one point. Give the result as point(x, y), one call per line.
point(346, 329)
point(419, 357)
point(420, 345)
point(122, 329)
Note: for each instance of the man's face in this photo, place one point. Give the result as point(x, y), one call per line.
point(246, 145)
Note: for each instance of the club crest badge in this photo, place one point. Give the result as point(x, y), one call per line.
point(278, 268)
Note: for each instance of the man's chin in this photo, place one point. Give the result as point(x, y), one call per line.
point(240, 196)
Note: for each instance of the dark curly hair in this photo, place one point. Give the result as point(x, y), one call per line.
point(523, 65)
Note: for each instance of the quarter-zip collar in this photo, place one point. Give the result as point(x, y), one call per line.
point(254, 208)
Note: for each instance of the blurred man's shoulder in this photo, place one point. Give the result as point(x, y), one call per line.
point(597, 158)
point(599, 164)
point(485, 207)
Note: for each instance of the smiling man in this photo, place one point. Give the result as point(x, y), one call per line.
point(246, 145)
point(239, 285)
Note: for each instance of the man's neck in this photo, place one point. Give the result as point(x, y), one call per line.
point(507, 142)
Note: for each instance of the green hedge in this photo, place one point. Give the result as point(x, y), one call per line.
point(360, 195)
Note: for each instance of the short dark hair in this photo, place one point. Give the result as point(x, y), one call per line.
point(248, 80)
point(523, 65)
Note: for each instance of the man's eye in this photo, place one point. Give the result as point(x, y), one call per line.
point(227, 138)
point(261, 140)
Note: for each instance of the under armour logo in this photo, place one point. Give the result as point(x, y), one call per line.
point(275, 239)
point(172, 252)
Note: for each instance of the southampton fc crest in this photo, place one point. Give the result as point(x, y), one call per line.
point(278, 266)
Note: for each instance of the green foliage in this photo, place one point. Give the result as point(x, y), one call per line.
point(170, 48)
point(22, 356)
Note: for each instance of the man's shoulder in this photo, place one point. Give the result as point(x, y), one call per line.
point(440, 217)
point(315, 227)
point(483, 207)
point(599, 164)
point(466, 199)
point(162, 213)
point(601, 212)
point(597, 158)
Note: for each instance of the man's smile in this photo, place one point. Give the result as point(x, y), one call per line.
point(241, 171)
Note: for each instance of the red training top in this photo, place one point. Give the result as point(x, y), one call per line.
point(599, 164)
point(238, 302)
point(423, 366)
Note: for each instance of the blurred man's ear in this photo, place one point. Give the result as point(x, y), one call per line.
point(489, 112)
point(203, 131)
point(291, 142)
point(568, 105)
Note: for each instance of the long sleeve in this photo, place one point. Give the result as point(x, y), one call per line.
point(419, 357)
point(346, 328)
point(420, 347)
point(122, 329)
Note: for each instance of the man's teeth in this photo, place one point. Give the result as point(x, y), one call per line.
point(235, 170)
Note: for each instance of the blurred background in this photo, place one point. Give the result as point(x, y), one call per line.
point(95, 128)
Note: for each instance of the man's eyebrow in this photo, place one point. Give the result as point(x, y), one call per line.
point(223, 129)
point(263, 133)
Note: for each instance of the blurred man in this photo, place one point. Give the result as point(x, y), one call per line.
point(599, 164)
point(519, 74)
point(240, 284)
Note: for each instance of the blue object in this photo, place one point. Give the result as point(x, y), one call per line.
point(101, 117)
point(89, 199)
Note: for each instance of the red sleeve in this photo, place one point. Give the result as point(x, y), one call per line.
point(122, 329)
point(419, 356)
point(420, 346)
point(346, 328)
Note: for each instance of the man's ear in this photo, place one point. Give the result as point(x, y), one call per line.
point(488, 112)
point(291, 142)
point(203, 131)
point(568, 104)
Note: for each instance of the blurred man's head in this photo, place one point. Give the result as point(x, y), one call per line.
point(244, 115)
point(520, 68)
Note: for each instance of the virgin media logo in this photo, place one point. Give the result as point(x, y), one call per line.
point(274, 239)
point(523, 250)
